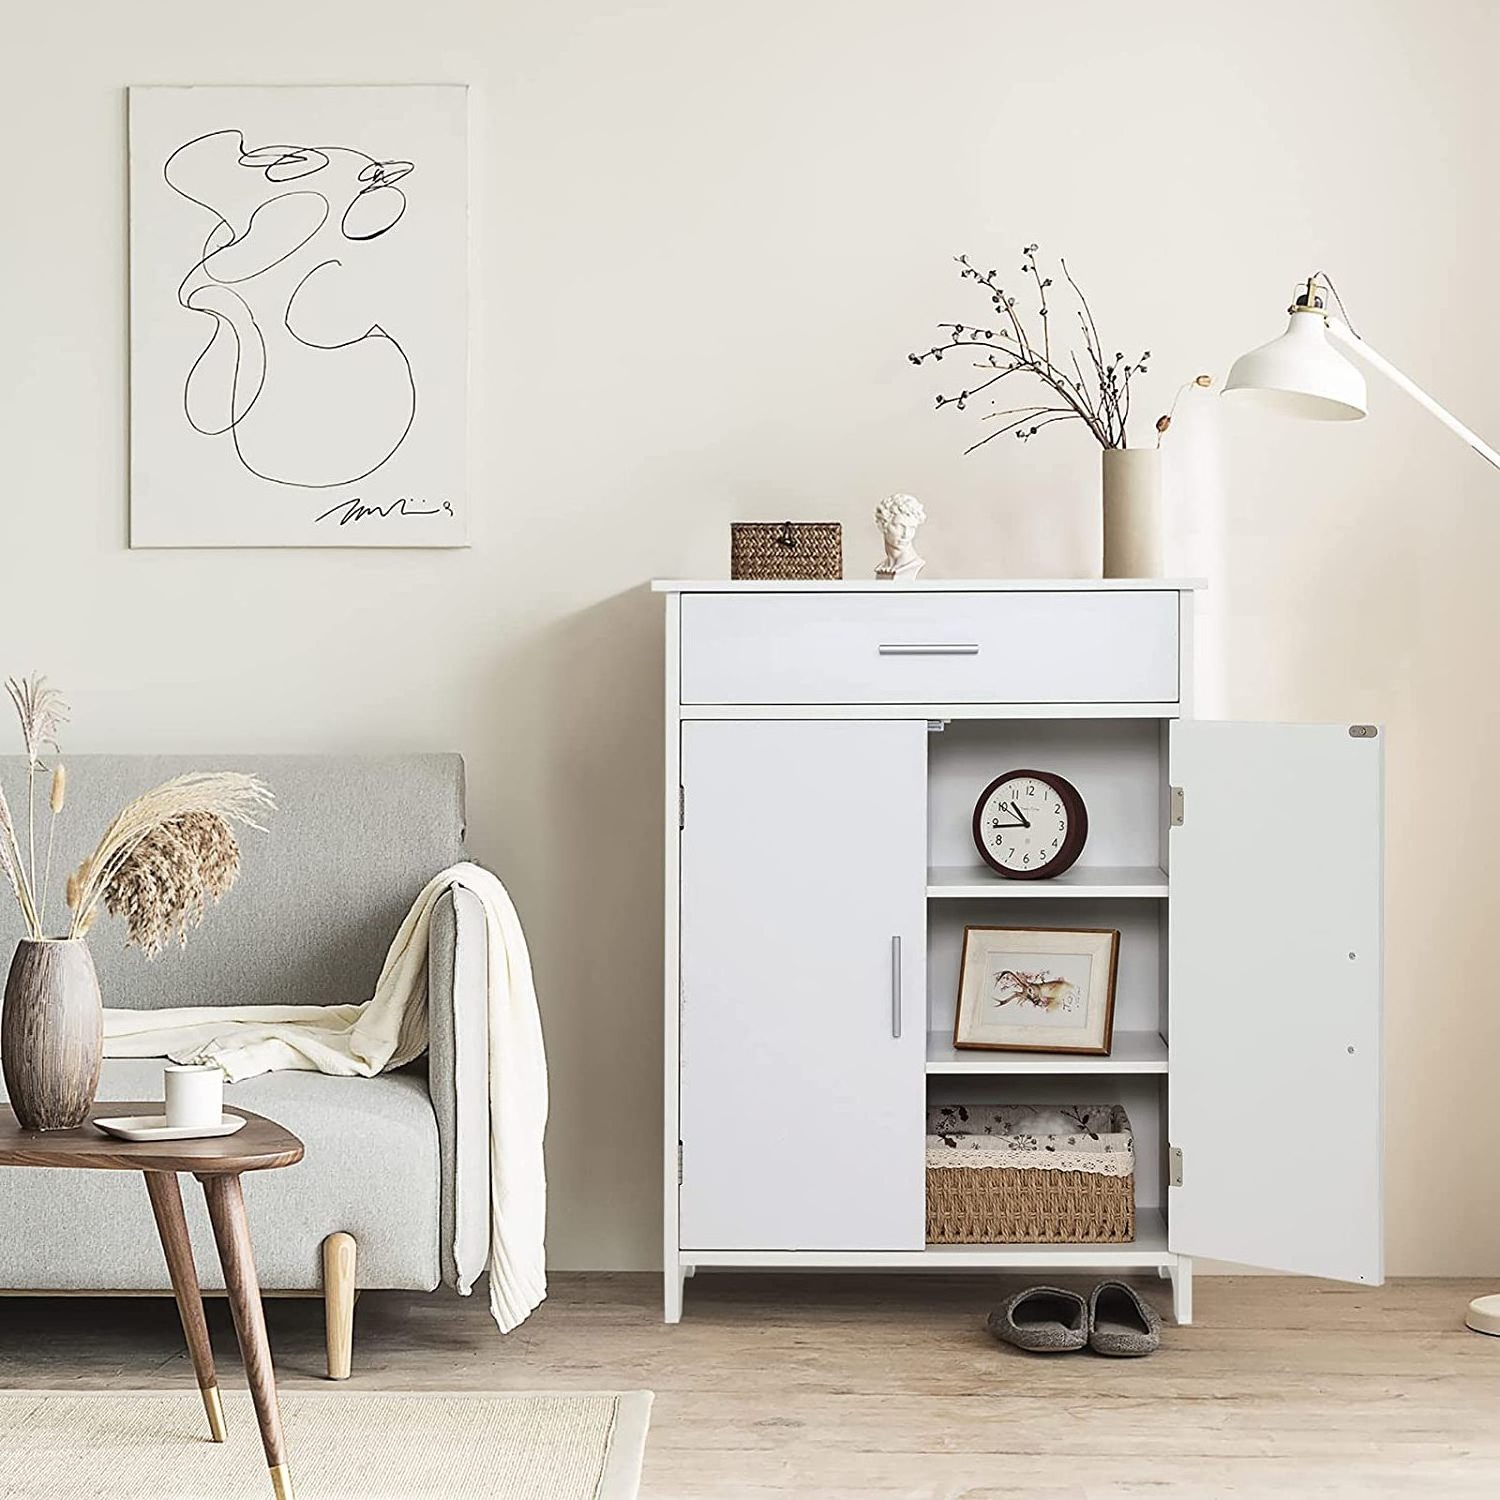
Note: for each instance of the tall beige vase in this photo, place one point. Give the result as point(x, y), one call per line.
point(51, 1033)
point(1132, 512)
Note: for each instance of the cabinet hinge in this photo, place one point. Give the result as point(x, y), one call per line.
point(679, 1164)
point(1176, 815)
point(1362, 731)
point(681, 807)
point(1174, 1166)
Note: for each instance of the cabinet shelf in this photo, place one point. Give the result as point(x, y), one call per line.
point(1148, 1248)
point(1133, 1052)
point(1082, 882)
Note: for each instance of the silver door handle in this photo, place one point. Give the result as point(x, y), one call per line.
point(896, 987)
point(931, 648)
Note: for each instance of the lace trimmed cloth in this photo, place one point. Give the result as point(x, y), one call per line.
point(1093, 1138)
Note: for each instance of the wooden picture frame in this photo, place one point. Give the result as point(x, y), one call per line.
point(1058, 981)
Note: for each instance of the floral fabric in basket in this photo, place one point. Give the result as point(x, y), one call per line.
point(1091, 1138)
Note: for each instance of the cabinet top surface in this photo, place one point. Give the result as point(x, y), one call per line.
point(921, 586)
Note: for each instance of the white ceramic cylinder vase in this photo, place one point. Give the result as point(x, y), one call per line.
point(1132, 512)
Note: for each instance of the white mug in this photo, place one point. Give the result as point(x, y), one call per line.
point(194, 1095)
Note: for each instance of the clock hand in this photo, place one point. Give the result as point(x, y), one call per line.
point(1025, 821)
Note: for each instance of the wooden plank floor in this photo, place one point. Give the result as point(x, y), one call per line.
point(839, 1388)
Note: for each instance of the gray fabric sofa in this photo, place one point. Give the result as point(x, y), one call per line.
point(391, 1161)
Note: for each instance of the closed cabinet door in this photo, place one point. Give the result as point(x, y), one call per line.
point(1274, 1096)
point(803, 959)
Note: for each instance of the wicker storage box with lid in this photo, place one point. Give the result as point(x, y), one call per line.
point(786, 549)
point(1029, 1174)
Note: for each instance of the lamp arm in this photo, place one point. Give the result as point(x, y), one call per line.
point(1358, 347)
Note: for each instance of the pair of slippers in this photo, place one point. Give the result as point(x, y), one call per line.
point(1047, 1320)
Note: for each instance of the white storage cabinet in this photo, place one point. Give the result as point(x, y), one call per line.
point(825, 745)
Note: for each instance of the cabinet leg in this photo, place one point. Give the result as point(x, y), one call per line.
point(1182, 1291)
point(171, 1225)
point(226, 1210)
point(674, 1274)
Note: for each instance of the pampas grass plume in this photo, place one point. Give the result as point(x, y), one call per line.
point(167, 853)
point(163, 859)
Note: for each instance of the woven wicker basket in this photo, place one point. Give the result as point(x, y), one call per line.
point(786, 549)
point(1012, 1206)
point(979, 1205)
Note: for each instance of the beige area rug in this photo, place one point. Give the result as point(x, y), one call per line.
point(341, 1445)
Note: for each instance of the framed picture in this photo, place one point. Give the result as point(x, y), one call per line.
point(1037, 989)
point(299, 316)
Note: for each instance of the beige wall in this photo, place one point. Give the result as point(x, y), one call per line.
point(705, 235)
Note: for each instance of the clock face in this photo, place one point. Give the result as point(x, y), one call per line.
point(1030, 824)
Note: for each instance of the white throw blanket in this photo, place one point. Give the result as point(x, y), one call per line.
point(391, 1029)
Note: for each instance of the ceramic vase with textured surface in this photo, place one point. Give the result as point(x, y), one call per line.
point(52, 1033)
point(1132, 513)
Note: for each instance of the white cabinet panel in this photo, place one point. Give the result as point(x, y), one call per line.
point(1027, 647)
point(1275, 977)
point(803, 954)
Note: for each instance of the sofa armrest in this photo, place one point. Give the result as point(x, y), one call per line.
point(458, 1073)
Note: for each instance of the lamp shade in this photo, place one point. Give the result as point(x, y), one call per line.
point(1301, 374)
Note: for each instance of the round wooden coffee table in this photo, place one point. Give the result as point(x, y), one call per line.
point(217, 1164)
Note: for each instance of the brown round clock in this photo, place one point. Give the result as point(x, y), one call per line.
point(1030, 825)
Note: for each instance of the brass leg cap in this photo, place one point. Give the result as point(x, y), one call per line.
point(281, 1482)
point(214, 1406)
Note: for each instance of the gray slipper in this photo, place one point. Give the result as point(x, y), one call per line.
point(1043, 1319)
point(1121, 1323)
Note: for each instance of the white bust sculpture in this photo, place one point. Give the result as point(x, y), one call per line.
point(898, 517)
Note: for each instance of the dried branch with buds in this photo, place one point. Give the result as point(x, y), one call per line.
point(1164, 422)
point(1094, 390)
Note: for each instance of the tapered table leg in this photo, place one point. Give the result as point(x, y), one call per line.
point(171, 1225)
point(226, 1208)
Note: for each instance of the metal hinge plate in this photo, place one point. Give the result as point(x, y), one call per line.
point(1174, 1166)
point(1177, 801)
point(679, 1164)
point(681, 807)
point(1362, 731)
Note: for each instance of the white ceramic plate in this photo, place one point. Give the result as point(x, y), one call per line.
point(155, 1128)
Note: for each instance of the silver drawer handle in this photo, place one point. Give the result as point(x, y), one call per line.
point(896, 987)
point(935, 648)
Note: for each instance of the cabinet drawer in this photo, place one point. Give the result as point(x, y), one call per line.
point(1068, 646)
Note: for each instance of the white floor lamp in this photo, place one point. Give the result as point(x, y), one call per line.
point(1304, 375)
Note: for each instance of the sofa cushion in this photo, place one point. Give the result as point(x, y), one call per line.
point(321, 892)
point(371, 1169)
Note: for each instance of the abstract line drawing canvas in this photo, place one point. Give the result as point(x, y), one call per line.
point(298, 316)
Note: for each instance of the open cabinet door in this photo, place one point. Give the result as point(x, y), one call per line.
point(1274, 1097)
